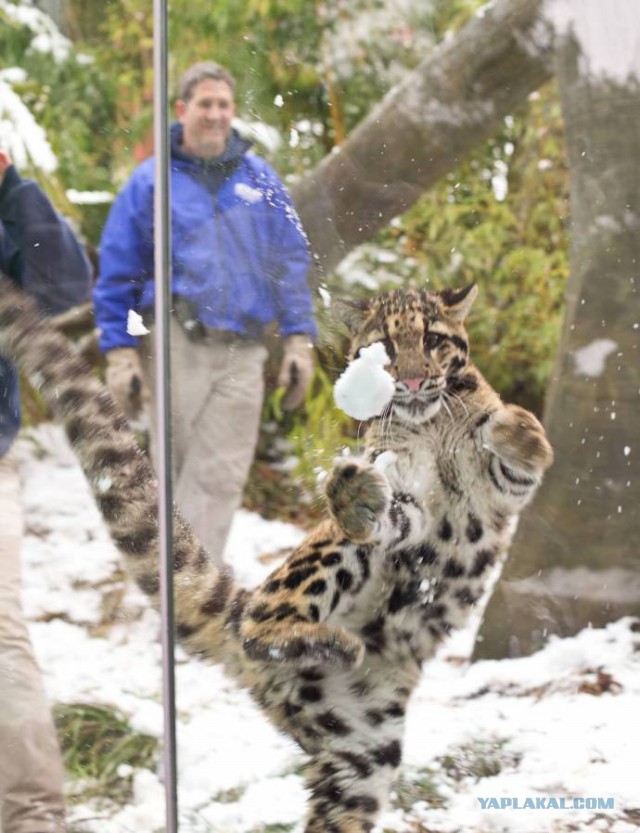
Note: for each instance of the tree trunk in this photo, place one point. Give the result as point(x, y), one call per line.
point(576, 554)
point(424, 127)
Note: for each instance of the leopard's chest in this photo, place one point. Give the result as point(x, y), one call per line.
point(439, 471)
point(428, 586)
point(448, 478)
point(443, 535)
point(423, 593)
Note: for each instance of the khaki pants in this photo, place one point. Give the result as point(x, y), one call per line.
point(217, 389)
point(30, 765)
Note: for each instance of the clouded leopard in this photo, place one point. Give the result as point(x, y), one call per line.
point(332, 643)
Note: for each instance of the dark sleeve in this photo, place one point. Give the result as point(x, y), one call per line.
point(10, 411)
point(43, 254)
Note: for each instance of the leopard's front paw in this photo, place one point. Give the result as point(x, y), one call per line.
point(518, 439)
point(333, 646)
point(357, 495)
point(305, 645)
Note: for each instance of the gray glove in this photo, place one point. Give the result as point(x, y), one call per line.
point(124, 379)
point(296, 370)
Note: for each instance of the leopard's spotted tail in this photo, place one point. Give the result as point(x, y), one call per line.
point(207, 601)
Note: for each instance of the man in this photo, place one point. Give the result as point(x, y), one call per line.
point(239, 262)
point(40, 253)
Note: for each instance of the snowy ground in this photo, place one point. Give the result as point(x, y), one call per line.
point(559, 725)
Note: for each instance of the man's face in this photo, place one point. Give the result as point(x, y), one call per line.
point(207, 118)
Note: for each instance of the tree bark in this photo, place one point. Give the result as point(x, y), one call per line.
point(575, 558)
point(424, 127)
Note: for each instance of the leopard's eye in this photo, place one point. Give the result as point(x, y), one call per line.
point(432, 340)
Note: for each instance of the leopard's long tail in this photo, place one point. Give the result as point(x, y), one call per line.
point(208, 603)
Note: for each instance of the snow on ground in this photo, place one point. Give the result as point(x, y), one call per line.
point(558, 725)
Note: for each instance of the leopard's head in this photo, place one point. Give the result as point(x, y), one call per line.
point(424, 336)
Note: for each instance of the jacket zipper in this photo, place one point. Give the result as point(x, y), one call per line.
point(221, 265)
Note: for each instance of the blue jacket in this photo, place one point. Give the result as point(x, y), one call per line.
point(239, 253)
point(40, 253)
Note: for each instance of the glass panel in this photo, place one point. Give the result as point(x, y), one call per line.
point(458, 175)
point(421, 161)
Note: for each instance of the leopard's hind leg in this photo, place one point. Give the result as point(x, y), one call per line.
point(354, 729)
point(350, 782)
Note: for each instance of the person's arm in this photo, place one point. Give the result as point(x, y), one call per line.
point(42, 255)
point(291, 260)
point(46, 258)
point(126, 261)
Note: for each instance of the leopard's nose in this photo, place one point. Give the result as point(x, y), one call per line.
point(413, 384)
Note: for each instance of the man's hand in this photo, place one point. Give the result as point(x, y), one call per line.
point(5, 162)
point(124, 379)
point(296, 370)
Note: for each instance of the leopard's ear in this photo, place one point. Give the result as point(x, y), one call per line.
point(351, 312)
point(458, 302)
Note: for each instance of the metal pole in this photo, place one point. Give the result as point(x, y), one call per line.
point(162, 259)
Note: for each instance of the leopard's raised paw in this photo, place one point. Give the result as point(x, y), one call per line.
point(357, 495)
point(519, 439)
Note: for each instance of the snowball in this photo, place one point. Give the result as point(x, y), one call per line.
point(365, 388)
point(135, 324)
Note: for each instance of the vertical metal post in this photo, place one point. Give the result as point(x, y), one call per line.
point(162, 259)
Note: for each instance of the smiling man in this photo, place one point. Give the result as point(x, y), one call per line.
point(206, 117)
point(239, 262)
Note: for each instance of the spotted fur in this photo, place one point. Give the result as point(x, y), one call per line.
point(331, 645)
